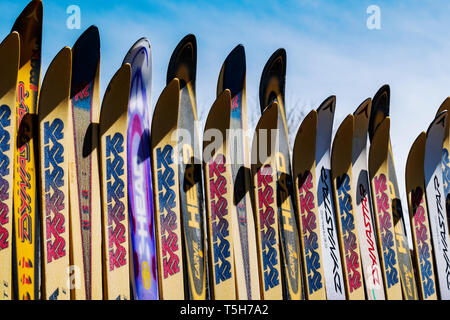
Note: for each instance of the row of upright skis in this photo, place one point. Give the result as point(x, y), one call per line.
point(107, 203)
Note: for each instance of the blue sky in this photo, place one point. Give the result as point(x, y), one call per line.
point(330, 50)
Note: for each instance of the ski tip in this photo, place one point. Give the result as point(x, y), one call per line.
point(34, 10)
point(10, 47)
point(415, 162)
point(329, 104)
point(273, 80)
point(183, 62)
point(439, 121)
point(379, 147)
point(117, 93)
point(364, 109)
point(305, 144)
point(218, 119)
point(56, 84)
point(445, 106)
point(139, 55)
point(85, 59)
point(380, 108)
point(342, 144)
point(264, 137)
point(232, 74)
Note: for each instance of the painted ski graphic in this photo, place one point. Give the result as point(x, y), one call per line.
point(334, 281)
point(418, 211)
point(84, 177)
point(434, 187)
point(380, 110)
point(113, 159)
point(166, 188)
point(365, 224)
point(305, 185)
point(446, 159)
point(379, 179)
point(272, 90)
point(232, 76)
point(26, 255)
point(264, 174)
point(140, 191)
point(9, 64)
point(54, 137)
point(341, 173)
point(219, 197)
point(183, 65)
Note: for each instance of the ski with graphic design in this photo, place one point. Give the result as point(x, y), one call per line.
point(365, 224)
point(233, 76)
point(434, 188)
point(219, 196)
point(54, 137)
point(271, 89)
point(446, 159)
point(85, 205)
point(419, 217)
point(264, 175)
point(380, 110)
point(140, 190)
point(306, 193)
point(334, 280)
point(113, 160)
point(164, 146)
point(384, 220)
point(183, 66)
point(341, 174)
point(9, 64)
point(27, 229)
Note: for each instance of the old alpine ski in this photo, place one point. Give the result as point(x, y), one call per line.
point(435, 197)
point(341, 173)
point(219, 199)
point(233, 76)
point(9, 64)
point(271, 89)
point(113, 160)
point(418, 212)
point(140, 190)
point(306, 194)
point(183, 66)
point(85, 201)
point(365, 224)
point(27, 228)
point(164, 145)
point(54, 137)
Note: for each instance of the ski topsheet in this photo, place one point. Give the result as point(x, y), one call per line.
point(166, 188)
point(341, 173)
point(54, 137)
point(183, 65)
point(219, 197)
point(363, 205)
point(334, 282)
point(140, 190)
point(305, 185)
point(272, 90)
point(379, 178)
point(232, 76)
point(9, 64)
point(85, 204)
point(436, 202)
point(264, 175)
point(26, 260)
point(446, 159)
point(421, 233)
point(113, 159)
point(380, 110)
